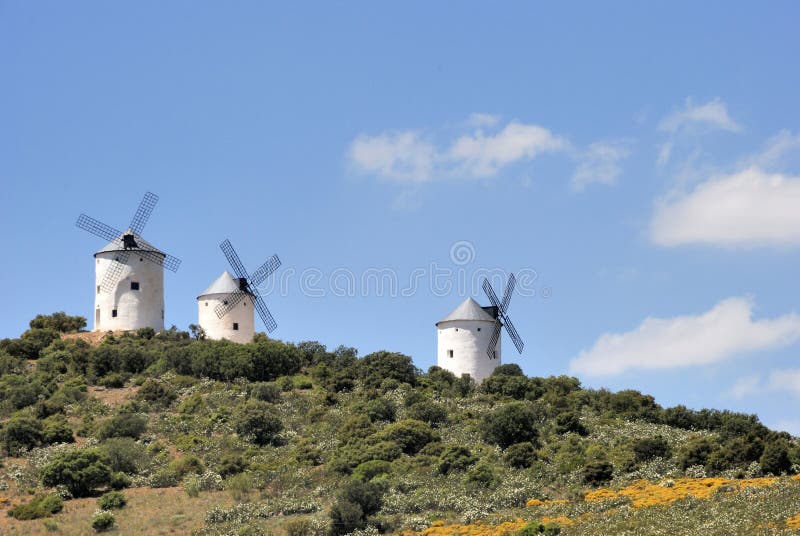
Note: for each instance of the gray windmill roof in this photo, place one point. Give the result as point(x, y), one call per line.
point(116, 244)
point(468, 310)
point(224, 284)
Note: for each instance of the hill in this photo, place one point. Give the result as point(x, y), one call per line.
point(163, 433)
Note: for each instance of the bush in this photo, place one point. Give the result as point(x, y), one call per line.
point(520, 455)
point(231, 464)
point(259, 422)
point(103, 521)
point(411, 435)
point(80, 471)
point(157, 392)
point(112, 500)
point(534, 528)
point(455, 458)
point(380, 409)
point(265, 391)
point(123, 454)
point(377, 367)
point(131, 425)
point(187, 464)
point(429, 412)
point(59, 321)
point(120, 481)
point(113, 380)
point(597, 473)
point(696, 451)
point(369, 470)
point(649, 448)
point(569, 421)
point(355, 502)
point(356, 428)
point(57, 430)
point(38, 507)
point(482, 475)
point(514, 423)
point(20, 434)
point(775, 459)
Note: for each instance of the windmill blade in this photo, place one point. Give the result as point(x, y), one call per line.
point(512, 332)
point(143, 212)
point(512, 282)
point(266, 269)
point(114, 272)
point(487, 288)
point(230, 301)
point(263, 312)
point(159, 257)
point(233, 259)
point(490, 351)
point(98, 228)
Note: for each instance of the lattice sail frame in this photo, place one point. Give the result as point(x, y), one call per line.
point(502, 319)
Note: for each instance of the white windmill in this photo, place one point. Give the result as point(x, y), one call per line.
point(469, 337)
point(129, 274)
point(225, 310)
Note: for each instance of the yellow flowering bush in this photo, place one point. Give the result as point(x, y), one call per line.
point(793, 522)
point(545, 502)
point(644, 494)
point(438, 528)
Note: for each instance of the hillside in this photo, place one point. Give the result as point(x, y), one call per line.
point(207, 438)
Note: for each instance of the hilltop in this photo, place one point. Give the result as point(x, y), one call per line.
point(158, 433)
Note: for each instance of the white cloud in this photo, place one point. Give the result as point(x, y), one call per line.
point(712, 114)
point(483, 120)
point(395, 155)
point(746, 386)
point(725, 331)
point(481, 155)
point(405, 156)
point(774, 150)
point(778, 381)
point(749, 207)
point(664, 153)
point(600, 163)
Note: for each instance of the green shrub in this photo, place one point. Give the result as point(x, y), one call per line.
point(649, 448)
point(455, 458)
point(103, 521)
point(380, 409)
point(239, 486)
point(429, 412)
point(265, 391)
point(259, 422)
point(164, 478)
point(375, 368)
point(356, 428)
point(56, 429)
point(514, 423)
point(482, 475)
point(120, 481)
point(131, 425)
point(298, 527)
point(369, 470)
point(157, 392)
point(59, 321)
point(231, 464)
point(775, 458)
point(354, 504)
point(187, 464)
point(597, 473)
point(38, 507)
point(534, 528)
point(113, 380)
point(411, 435)
point(112, 500)
point(520, 455)
point(20, 434)
point(696, 451)
point(123, 454)
point(569, 421)
point(80, 471)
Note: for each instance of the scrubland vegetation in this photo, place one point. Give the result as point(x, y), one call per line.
point(164, 433)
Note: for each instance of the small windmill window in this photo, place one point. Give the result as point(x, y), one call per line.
point(449, 353)
point(134, 285)
point(235, 326)
point(98, 289)
point(113, 313)
point(479, 329)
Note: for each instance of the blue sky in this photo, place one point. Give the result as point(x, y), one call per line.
point(642, 159)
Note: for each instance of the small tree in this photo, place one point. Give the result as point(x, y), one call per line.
point(81, 471)
point(775, 459)
point(597, 473)
point(411, 435)
point(455, 458)
point(123, 425)
point(259, 422)
point(515, 423)
point(651, 447)
point(20, 434)
point(520, 455)
point(59, 321)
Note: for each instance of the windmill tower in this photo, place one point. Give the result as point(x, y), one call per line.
point(469, 337)
point(225, 310)
point(129, 274)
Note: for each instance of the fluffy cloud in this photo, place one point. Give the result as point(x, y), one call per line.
point(725, 331)
point(405, 156)
point(600, 163)
point(750, 207)
point(713, 114)
point(774, 150)
point(778, 381)
point(394, 155)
